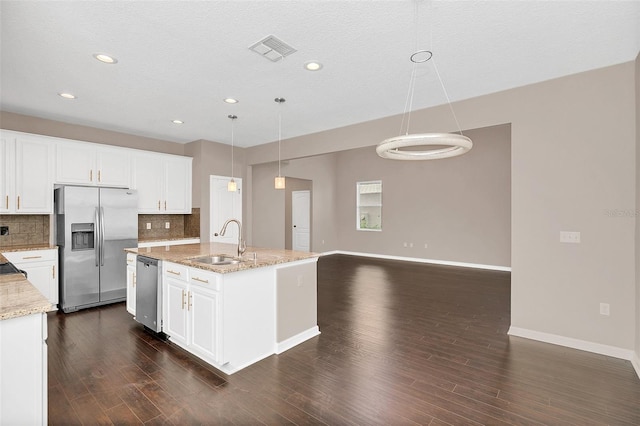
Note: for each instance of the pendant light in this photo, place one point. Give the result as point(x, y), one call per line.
point(395, 148)
point(279, 181)
point(232, 186)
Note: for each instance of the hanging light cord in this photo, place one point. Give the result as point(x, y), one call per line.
point(233, 119)
point(279, 134)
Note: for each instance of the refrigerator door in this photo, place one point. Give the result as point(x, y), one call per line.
point(77, 214)
point(119, 223)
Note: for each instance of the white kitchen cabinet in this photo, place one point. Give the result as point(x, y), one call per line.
point(175, 310)
point(23, 368)
point(26, 182)
point(41, 267)
point(163, 183)
point(131, 283)
point(82, 163)
point(191, 310)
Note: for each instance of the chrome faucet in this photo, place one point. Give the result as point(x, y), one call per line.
point(242, 246)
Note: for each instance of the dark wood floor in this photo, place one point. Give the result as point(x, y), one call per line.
point(401, 343)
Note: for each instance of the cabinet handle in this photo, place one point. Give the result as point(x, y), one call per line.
point(182, 291)
point(173, 272)
point(99, 180)
point(190, 299)
point(7, 202)
point(165, 205)
point(91, 175)
point(134, 279)
point(31, 257)
point(129, 260)
point(159, 205)
point(201, 280)
point(18, 202)
point(53, 271)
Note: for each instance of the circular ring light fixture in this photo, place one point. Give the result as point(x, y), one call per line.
point(455, 145)
point(421, 56)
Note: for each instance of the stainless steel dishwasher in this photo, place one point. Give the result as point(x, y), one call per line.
point(149, 293)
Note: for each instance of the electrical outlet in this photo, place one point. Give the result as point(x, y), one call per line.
point(404, 244)
point(604, 309)
point(167, 225)
point(426, 245)
point(322, 242)
point(410, 244)
point(570, 237)
point(148, 225)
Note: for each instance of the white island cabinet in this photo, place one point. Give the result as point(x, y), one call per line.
point(234, 315)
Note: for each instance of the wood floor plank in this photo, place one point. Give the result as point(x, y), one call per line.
point(401, 344)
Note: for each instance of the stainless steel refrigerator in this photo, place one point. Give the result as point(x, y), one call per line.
point(93, 227)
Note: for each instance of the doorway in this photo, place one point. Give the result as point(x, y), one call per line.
point(298, 224)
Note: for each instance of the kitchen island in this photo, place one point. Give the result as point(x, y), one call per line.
point(23, 351)
point(232, 315)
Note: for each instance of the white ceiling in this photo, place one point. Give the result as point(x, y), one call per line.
point(179, 59)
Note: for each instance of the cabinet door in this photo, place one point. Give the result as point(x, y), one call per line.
point(114, 167)
point(177, 196)
point(76, 163)
point(7, 174)
point(203, 307)
point(34, 175)
point(40, 275)
point(131, 289)
point(149, 180)
point(175, 318)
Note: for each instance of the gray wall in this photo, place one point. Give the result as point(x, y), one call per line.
point(573, 145)
point(460, 207)
point(269, 210)
point(41, 126)
point(638, 213)
point(213, 158)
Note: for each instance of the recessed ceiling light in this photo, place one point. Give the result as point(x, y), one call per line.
point(231, 100)
point(105, 58)
point(177, 122)
point(67, 95)
point(312, 66)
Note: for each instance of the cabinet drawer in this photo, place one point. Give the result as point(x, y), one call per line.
point(31, 256)
point(175, 271)
point(131, 259)
point(205, 279)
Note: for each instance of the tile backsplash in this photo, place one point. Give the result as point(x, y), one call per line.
point(25, 230)
point(180, 225)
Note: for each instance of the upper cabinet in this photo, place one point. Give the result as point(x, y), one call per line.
point(163, 183)
point(82, 163)
point(26, 181)
point(31, 164)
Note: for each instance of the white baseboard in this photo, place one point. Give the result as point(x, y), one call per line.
point(635, 361)
point(421, 260)
point(297, 339)
point(583, 345)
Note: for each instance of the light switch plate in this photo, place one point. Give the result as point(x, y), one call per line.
point(570, 237)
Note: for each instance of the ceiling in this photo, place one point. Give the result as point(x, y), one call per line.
point(179, 59)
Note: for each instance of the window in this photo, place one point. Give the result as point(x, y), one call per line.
point(369, 206)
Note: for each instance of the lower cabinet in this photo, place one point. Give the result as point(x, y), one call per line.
point(191, 310)
point(41, 267)
point(23, 368)
point(131, 283)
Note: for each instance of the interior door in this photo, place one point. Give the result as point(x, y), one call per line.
point(301, 220)
point(225, 205)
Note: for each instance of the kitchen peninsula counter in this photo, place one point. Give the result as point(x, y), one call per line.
point(18, 297)
point(184, 255)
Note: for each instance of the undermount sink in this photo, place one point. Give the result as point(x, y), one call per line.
point(217, 260)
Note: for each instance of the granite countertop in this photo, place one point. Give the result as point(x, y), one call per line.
point(155, 240)
point(18, 297)
point(183, 254)
point(27, 247)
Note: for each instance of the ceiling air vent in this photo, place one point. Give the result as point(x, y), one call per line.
point(272, 48)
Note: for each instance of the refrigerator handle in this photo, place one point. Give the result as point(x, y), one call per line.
point(101, 236)
point(96, 237)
